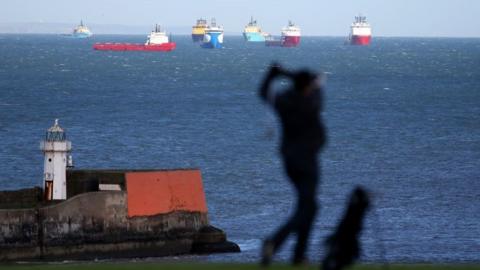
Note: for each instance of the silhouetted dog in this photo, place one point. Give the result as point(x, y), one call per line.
point(343, 246)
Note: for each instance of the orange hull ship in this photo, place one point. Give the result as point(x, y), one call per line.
point(157, 41)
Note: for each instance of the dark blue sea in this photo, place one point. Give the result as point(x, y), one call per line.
point(403, 118)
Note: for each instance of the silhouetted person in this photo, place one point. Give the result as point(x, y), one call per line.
point(342, 246)
point(303, 135)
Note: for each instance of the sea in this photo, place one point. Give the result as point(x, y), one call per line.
point(403, 120)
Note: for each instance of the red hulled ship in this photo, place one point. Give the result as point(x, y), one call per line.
point(360, 31)
point(156, 41)
point(291, 35)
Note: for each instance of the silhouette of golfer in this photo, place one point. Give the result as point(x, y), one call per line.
point(303, 135)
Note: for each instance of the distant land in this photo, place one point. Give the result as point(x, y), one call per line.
point(120, 29)
point(66, 28)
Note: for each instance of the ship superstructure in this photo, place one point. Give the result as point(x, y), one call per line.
point(157, 36)
point(81, 31)
point(198, 30)
point(291, 35)
point(213, 36)
point(253, 33)
point(360, 31)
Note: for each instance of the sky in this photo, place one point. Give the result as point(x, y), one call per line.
point(430, 18)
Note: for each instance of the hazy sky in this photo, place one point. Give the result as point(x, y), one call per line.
point(388, 17)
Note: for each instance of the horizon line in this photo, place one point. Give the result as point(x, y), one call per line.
point(183, 31)
point(231, 34)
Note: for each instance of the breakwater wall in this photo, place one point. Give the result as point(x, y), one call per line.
point(112, 214)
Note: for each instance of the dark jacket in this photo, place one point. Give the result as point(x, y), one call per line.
point(303, 132)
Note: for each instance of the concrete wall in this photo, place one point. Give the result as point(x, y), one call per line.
point(155, 213)
point(82, 181)
point(94, 225)
point(23, 198)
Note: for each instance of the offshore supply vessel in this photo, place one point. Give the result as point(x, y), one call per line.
point(253, 33)
point(360, 31)
point(213, 38)
point(156, 41)
point(290, 37)
point(81, 31)
point(198, 30)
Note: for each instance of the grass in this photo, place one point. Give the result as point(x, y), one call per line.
point(219, 266)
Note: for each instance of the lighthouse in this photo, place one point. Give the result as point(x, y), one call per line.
point(56, 149)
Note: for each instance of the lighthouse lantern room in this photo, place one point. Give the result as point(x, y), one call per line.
point(56, 149)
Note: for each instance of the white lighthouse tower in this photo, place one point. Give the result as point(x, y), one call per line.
point(56, 150)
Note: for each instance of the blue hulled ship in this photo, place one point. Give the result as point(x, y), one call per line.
point(253, 33)
point(81, 31)
point(213, 38)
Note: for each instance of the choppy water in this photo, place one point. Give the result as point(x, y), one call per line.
point(403, 118)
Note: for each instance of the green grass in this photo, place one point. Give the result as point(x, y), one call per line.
point(218, 266)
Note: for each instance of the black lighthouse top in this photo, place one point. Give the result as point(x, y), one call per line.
point(55, 133)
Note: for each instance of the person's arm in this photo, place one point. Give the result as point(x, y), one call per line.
point(265, 92)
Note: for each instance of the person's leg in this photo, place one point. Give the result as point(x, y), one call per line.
point(292, 223)
point(303, 173)
point(308, 206)
point(275, 241)
point(309, 209)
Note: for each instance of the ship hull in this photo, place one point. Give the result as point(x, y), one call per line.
point(165, 47)
point(81, 35)
point(197, 37)
point(290, 41)
point(273, 43)
point(253, 37)
point(360, 40)
point(213, 40)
